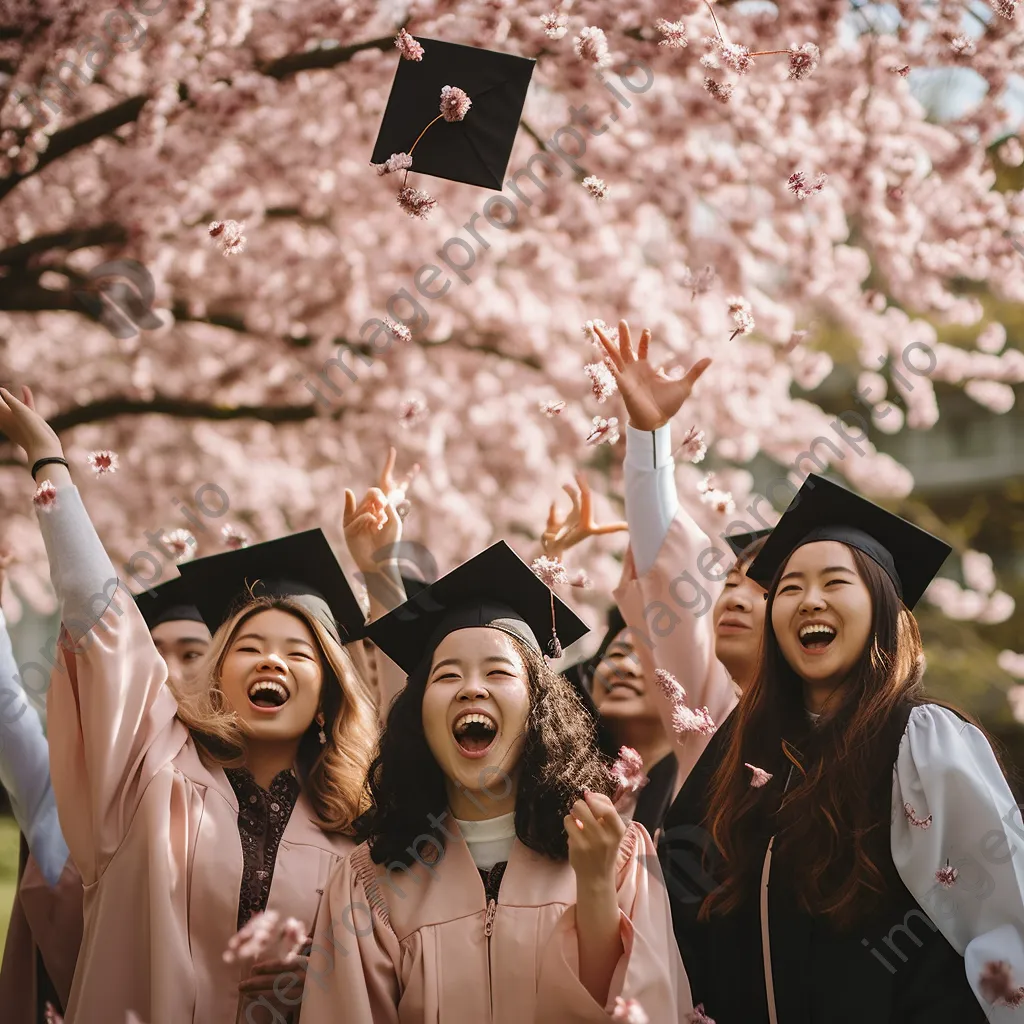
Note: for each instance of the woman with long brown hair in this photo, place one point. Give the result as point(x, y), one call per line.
point(187, 814)
point(864, 871)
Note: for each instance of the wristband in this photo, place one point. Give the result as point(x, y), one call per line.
point(38, 465)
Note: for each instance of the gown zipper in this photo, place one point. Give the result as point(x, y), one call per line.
point(492, 909)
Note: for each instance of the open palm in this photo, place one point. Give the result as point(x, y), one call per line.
point(651, 396)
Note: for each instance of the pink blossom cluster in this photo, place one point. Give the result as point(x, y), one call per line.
point(978, 600)
point(227, 392)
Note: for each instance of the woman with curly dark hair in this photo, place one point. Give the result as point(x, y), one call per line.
point(496, 882)
point(857, 829)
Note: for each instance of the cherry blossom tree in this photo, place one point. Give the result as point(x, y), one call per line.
point(775, 180)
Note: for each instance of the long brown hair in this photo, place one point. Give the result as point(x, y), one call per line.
point(560, 760)
point(333, 775)
point(831, 822)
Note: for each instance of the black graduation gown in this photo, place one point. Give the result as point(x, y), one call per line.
point(653, 800)
point(896, 968)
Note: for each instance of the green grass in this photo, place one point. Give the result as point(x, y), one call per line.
point(8, 870)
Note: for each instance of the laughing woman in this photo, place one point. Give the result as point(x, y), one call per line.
point(184, 821)
point(866, 871)
point(497, 883)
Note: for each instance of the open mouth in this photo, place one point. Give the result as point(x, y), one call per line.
point(623, 686)
point(267, 695)
point(475, 733)
point(816, 636)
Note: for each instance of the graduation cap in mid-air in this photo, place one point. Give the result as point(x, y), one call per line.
point(168, 602)
point(473, 148)
point(299, 565)
point(823, 510)
point(495, 588)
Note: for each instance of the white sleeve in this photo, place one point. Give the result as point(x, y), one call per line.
point(651, 496)
point(25, 767)
point(80, 569)
point(951, 805)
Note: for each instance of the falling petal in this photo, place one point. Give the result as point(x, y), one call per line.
point(718, 90)
point(411, 411)
point(628, 771)
point(103, 461)
point(233, 537)
point(45, 497)
point(693, 447)
point(605, 431)
point(397, 330)
point(914, 820)
point(674, 33)
point(182, 545)
point(552, 409)
point(601, 380)
point(555, 25)
point(591, 45)
point(416, 202)
point(580, 579)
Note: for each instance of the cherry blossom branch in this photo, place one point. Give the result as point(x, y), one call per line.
point(69, 241)
point(322, 59)
point(80, 134)
point(106, 121)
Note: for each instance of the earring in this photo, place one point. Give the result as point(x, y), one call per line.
point(320, 722)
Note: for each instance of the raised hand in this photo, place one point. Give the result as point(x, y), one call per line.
point(397, 491)
point(26, 428)
point(560, 535)
point(652, 397)
point(595, 831)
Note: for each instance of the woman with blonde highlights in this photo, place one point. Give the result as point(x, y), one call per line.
point(187, 821)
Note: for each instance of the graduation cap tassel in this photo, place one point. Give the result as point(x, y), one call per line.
point(554, 645)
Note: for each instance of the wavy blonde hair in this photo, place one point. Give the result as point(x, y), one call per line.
point(333, 775)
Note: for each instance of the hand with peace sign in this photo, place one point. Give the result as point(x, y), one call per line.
point(652, 397)
point(578, 525)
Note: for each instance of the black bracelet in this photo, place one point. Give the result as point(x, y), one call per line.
point(46, 462)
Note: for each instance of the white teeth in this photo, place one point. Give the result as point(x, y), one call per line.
point(465, 721)
point(816, 627)
point(268, 686)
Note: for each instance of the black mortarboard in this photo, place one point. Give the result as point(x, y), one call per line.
point(495, 588)
point(822, 510)
point(169, 602)
point(301, 564)
point(739, 542)
point(475, 150)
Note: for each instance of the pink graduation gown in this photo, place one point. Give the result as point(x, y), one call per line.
point(679, 639)
point(416, 949)
point(154, 834)
point(47, 919)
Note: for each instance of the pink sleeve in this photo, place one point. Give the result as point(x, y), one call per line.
point(650, 970)
point(112, 726)
point(669, 612)
point(352, 975)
